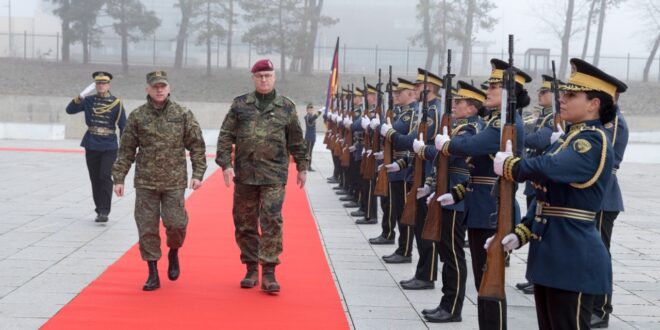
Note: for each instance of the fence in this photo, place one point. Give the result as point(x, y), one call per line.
point(159, 51)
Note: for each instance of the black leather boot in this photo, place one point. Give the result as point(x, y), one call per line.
point(153, 282)
point(251, 277)
point(268, 281)
point(173, 270)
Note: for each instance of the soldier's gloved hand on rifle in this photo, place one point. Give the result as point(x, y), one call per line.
point(384, 128)
point(441, 139)
point(364, 122)
point(368, 152)
point(418, 143)
point(423, 191)
point(88, 90)
point(430, 198)
point(510, 242)
point(333, 116)
point(348, 122)
point(337, 119)
point(352, 148)
point(556, 135)
point(446, 199)
point(378, 155)
point(375, 122)
point(394, 167)
point(228, 175)
point(501, 156)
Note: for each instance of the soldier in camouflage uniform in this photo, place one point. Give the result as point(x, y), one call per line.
point(162, 130)
point(264, 127)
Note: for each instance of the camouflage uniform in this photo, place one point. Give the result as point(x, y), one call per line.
point(162, 136)
point(264, 136)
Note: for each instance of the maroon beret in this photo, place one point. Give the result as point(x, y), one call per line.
point(263, 65)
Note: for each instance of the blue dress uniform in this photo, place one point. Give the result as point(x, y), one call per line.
point(568, 262)
point(452, 235)
point(103, 114)
point(353, 172)
point(368, 203)
point(480, 204)
point(537, 141)
point(310, 135)
point(617, 135)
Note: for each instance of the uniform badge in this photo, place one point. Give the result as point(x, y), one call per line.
point(581, 146)
point(406, 118)
point(430, 121)
point(609, 125)
point(496, 123)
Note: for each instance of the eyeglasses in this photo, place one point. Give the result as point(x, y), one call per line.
point(263, 76)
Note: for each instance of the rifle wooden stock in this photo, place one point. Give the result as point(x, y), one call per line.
point(433, 224)
point(383, 181)
point(370, 168)
point(348, 142)
point(364, 161)
point(492, 282)
point(410, 208)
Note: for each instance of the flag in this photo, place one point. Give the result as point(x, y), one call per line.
point(333, 83)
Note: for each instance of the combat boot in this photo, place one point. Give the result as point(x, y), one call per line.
point(268, 281)
point(251, 277)
point(153, 282)
point(173, 270)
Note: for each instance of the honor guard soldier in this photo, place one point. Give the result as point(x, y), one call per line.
point(398, 170)
point(264, 129)
point(368, 203)
point(352, 123)
point(467, 104)
point(568, 262)
point(480, 204)
point(537, 141)
point(103, 114)
point(157, 135)
point(310, 131)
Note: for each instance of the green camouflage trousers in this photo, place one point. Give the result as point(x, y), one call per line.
point(150, 205)
point(255, 207)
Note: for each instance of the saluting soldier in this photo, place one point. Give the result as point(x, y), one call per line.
point(263, 126)
point(157, 134)
point(568, 261)
point(103, 114)
point(467, 103)
point(310, 131)
point(480, 204)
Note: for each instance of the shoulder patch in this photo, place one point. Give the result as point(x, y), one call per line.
point(581, 146)
point(405, 118)
point(289, 100)
point(495, 123)
point(609, 125)
point(430, 121)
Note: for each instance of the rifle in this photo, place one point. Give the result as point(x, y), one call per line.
point(492, 283)
point(365, 134)
point(336, 146)
point(348, 134)
point(383, 181)
point(433, 224)
point(555, 101)
point(370, 168)
point(410, 207)
point(329, 125)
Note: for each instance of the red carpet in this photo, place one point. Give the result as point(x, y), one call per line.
point(207, 295)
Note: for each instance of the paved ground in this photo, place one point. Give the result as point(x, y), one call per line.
point(50, 248)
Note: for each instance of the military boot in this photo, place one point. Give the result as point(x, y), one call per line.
point(173, 270)
point(153, 282)
point(268, 281)
point(251, 277)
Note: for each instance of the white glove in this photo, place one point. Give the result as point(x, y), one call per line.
point(333, 116)
point(441, 139)
point(348, 122)
point(394, 167)
point(379, 155)
point(418, 143)
point(88, 90)
point(424, 191)
point(384, 128)
point(337, 119)
point(374, 122)
point(489, 240)
point(351, 148)
point(446, 199)
point(510, 242)
point(430, 198)
point(368, 152)
point(345, 122)
point(556, 135)
point(500, 157)
point(365, 123)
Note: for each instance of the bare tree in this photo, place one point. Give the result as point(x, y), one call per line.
point(231, 20)
point(651, 13)
point(438, 19)
point(133, 22)
point(587, 33)
point(601, 25)
point(477, 15)
point(65, 14)
point(187, 8)
point(566, 37)
point(84, 15)
point(210, 26)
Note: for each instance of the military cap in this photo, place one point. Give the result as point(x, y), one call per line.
point(466, 91)
point(263, 65)
point(547, 82)
point(102, 76)
point(395, 86)
point(357, 92)
point(310, 105)
point(157, 77)
point(500, 66)
point(371, 89)
point(432, 78)
point(585, 78)
point(405, 84)
point(484, 86)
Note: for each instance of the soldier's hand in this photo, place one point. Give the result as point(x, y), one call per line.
point(441, 139)
point(510, 242)
point(500, 157)
point(556, 135)
point(302, 177)
point(379, 155)
point(365, 122)
point(88, 90)
point(418, 143)
point(375, 122)
point(195, 184)
point(228, 176)
point(446, 199)
point(424, 191)
point(119, 190)
point(430, 198)
point(352, 148)
point(394, 167)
